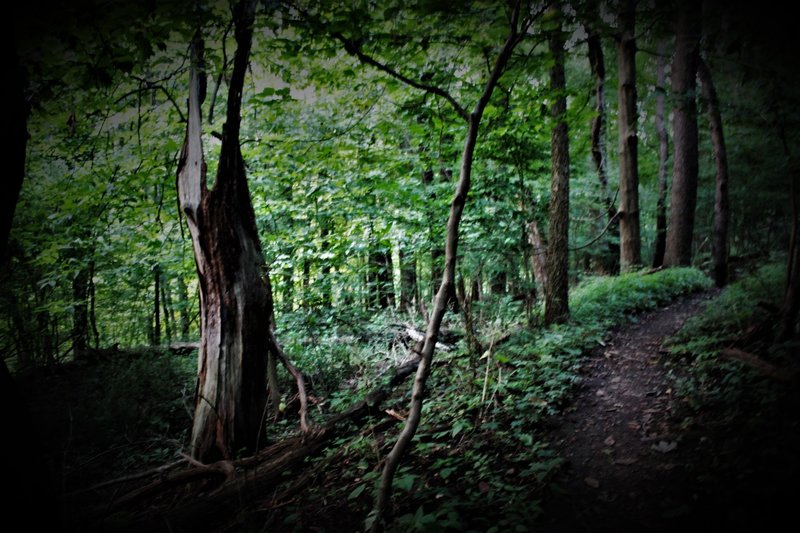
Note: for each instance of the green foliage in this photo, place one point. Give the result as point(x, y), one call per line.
point(744, 306)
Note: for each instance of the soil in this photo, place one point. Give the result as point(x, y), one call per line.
point(638, 458)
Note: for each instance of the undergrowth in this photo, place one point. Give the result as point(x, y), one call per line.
point(742, 316)
point(479, 462)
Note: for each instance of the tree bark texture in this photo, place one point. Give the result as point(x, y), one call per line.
point(235, 305)
point(683, 199)
point(629, 233)
point(538, 256)
point(556, 305)
point(663, 158)
point(719, 240)
point(408, 279)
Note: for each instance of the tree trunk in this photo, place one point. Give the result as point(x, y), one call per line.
point(92, 304)
point(556, 304)
point(32, 501)
point(719, 240)
point(684, 127)
point(538, 256)
point(183, 294)
point(155, 328)
point(235, 305)
point(447, 286)
point(381, 276)
point(408, 279)
point(630, 240)
point(598, 130)
point(663, 158)
point(166, 307)
point(80, 312)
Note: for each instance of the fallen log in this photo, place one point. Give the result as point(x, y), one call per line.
point(765, 368)
point(250, 476)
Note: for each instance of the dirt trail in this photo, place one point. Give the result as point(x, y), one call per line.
point(629, 467)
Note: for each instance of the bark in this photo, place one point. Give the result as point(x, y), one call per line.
point(381, 264)
point(556, 305)
point(18, 143)
point(684, 126)
point(447, 286)
point(155, 328)
point(598, 135)
point(408, 279)
point(183, 294)
point(629, 234)
point(719, 240)
point(92, 304)
point(31, 501)
point(539, 255)
point(80, 311)
point(166, 307)
point(235, 311)
point(663, 158)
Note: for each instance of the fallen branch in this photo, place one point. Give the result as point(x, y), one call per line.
point(298, 378)
point(765, 368)
point(126, 479)
point(417, 336)
point(265, 469)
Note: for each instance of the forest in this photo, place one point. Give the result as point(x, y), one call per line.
point(383, 265)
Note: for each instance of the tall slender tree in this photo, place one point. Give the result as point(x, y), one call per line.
point(683, 199)
point(597, 66)
point(556, 303)
point(663, 156)
point(629, 233)
point(719, 239)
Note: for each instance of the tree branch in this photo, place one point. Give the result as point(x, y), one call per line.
point(354, 49)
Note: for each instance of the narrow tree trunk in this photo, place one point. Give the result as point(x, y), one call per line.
point(408, 279)
point(684, 126)
point(166, 307)
point(447, 286)
point(80, 312)
point(327, 269)
point(232, 377)
point(155, 329)
point(32, 501)
point(183, 295)
point(538, 256)
point(556, 304)
point(92, 305)
point(663, 158)
point(598, 133)
point(384, 286)
point(630, 240)
point(719, 240)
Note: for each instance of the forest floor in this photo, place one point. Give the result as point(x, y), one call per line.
point(639, 458)
point(642, 450)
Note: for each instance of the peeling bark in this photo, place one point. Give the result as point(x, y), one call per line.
point(231, 393)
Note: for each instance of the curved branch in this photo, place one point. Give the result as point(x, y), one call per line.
point(354, 49)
